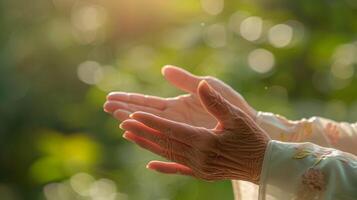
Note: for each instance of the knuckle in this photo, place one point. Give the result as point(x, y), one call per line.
point(207, 178)
point(208, 170)
point(202, 162)
point(208, 78)
point(168, 150)
point(207, 159)
point(211, 79)
point(158, 140)
point(168, 131)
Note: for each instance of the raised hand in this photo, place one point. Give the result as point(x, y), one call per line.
point(234, 149)
point(185, 108)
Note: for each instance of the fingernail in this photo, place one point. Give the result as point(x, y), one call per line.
point(125, 136)
point(163, 69)
point(121, 126)
point(147, 167)
point(131, 115)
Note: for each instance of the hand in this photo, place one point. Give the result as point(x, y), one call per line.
point(234, 149)
point(185, 108)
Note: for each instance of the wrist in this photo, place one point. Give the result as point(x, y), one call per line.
point(259, 161)
point(250, 168)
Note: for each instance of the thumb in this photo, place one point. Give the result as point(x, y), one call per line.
point(181, 78)
point(225, 113)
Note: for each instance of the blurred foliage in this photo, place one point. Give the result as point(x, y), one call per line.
point(59, 58)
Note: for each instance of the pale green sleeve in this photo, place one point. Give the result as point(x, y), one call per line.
point(307, 171)
point(318, 130)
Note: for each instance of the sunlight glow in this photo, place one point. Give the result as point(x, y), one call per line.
point(216, 36)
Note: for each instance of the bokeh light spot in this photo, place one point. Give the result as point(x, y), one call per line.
point(58, 191)
point(103, 189)
point(82, 183)
point(342, 70)
point(261, 60)
point(251, 28)
point(88, 17)
point(280, 35)
point(236, 19)
point(346, 54)
point(90, 72)
point(212, 7)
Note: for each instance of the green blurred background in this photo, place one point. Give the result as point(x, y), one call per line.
point(59, 59)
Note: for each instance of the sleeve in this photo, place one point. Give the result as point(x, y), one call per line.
point(317, 130)
point(307, 171)
point(320, 131)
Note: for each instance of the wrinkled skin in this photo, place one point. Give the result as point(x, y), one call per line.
point(185, 108)
point(208, 135)
point(234, 149)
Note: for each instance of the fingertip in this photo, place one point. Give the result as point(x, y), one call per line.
point(164, 69)
point(106, 107)
point(109, 95)
point(129, 136)
point(139, 115)
point(169, 71)
point(151, 164)
point(125, 136)
point(116, 96)
point(204, 88)
point(127, 123)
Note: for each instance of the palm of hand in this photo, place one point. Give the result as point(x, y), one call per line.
point(185, 108)
point(188, 109)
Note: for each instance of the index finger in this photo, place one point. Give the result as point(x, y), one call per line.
point(179, 131)
point(139, 99)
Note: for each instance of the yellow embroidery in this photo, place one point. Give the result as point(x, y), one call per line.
point(301, 153)
point(318, 161)
point(322, 154)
